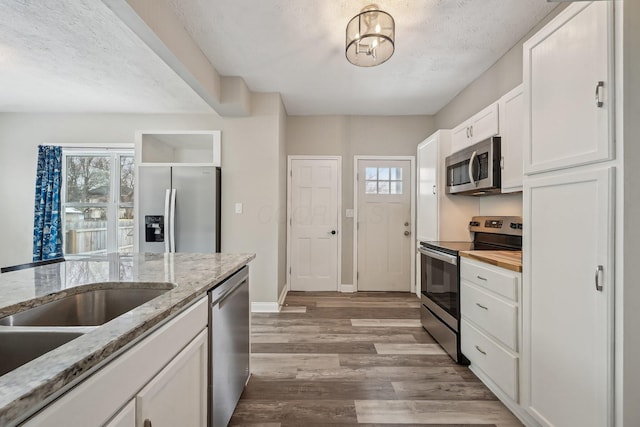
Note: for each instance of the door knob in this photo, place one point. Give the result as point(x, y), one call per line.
point(333, 232)
point(407, 233)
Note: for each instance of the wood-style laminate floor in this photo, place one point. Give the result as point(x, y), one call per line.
point(333, 359)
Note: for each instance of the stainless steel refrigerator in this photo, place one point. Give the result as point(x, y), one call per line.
point(178, 209)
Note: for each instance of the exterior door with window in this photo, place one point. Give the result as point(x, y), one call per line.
point(384, 225)
point(97, 194)
point(314, 215)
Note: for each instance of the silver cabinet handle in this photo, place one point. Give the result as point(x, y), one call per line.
point(482, 306)
point(599, 274)
point(481, 278)
point(467, 132)
point(599, 102)
point(481, 351)
point(471, 131)
point(434, 189)
point(407, 233)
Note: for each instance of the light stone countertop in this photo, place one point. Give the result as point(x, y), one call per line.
point(29, 387)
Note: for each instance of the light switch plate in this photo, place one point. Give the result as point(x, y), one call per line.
point(238, 208)
point(349, 213)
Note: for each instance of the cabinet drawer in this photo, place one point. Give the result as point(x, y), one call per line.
point(495, 361)
point(497, 317)
point(498, 280)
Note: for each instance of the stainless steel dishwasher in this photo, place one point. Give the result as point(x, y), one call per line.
point(229, 316)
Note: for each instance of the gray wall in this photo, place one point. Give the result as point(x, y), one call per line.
point(348, 136)
point(628, 291)
point(252, 149)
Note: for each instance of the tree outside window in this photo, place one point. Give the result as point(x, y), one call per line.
point(98, 191)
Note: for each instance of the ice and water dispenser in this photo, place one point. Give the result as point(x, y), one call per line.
point(154, 228)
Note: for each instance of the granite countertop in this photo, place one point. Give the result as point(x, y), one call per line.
point(189, 276)
point(511, 260)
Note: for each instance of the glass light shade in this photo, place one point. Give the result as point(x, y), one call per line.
point(370, 38)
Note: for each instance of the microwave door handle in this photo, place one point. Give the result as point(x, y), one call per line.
point(473, 158)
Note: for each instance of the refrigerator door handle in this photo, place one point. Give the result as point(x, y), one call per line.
point(172, 228)
point(167, 198)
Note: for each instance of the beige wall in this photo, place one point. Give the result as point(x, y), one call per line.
point(252, 149)
point(348, 136)
point(282, 199)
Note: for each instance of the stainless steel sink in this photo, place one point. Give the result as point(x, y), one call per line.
point(18, 347)
point(90, 308)
point(29, 334)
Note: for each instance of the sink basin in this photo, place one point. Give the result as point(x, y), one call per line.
point(90, 308)
point(18, 347)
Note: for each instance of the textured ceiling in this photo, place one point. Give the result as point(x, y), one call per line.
point(296, 47)
point(77, 56)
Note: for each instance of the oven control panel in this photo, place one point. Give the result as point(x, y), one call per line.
point(497, 224)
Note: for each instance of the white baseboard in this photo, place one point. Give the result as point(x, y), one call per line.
point(347, 288)
point(283, 296)
point(265, 307)
point(514, 407)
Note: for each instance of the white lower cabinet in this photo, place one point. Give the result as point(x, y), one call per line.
point(496, 361)
point(177, 396)
point(491, 329)
point(162, 378)
point(126, 417)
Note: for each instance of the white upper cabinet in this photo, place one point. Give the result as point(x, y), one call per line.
point(568, 90)
point(429, 165)
point(440, 216)
point(511, 108)
point(480, 126)
point(198, 148)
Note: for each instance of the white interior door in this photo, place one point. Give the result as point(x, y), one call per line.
point(384, 225)
point(314, 217)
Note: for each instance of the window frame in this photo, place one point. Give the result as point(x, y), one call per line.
point(112, 206)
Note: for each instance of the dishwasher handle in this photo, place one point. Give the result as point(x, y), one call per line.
point(224, 290)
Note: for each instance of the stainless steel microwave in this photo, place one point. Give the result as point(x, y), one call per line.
point(475, 170)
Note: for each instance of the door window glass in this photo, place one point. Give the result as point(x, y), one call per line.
point(383, 181)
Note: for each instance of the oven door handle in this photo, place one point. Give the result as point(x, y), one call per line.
point(450, 259)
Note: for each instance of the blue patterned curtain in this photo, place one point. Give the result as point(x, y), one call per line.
point(47, 229)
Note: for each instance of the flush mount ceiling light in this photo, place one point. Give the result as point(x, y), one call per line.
point(370, 37)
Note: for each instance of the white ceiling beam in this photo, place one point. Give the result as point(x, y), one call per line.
point(156, 25)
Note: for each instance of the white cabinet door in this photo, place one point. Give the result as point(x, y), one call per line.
point(126, 417)
point(484, 124)
point(428, 189)
point(177, 396)
point(567, 321)
point(460, 137)
point(511, 107)
point(478, 127)
point(569, 90)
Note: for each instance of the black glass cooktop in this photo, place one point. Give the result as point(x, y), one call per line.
point(507, 243)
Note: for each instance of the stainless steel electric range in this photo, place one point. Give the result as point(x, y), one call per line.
point(440, 276)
